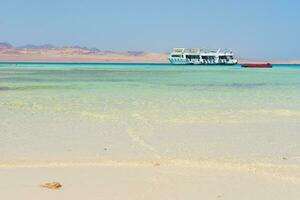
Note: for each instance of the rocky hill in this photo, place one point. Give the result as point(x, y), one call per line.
point(51, 53)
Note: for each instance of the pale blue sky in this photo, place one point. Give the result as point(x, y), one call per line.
point(256, 29)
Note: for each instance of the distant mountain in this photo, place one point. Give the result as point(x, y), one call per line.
point(32, 46)
point(84, 48)
point(95, 49)
point(107, 51)
point(5, 45)
point(135, 53)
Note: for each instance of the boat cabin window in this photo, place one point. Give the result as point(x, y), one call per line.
point(192, 57)
point(223, 57)
point(208, 57)
point(176, 56)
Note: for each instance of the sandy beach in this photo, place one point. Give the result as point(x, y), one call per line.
point(145, 182)
point(123, 131)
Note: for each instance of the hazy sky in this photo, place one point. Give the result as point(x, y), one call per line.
point(254, 29)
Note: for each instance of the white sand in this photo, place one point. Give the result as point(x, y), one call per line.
point(144, 182)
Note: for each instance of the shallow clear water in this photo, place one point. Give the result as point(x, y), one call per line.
point(54, 112)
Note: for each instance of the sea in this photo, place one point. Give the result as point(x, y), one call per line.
point(64, 113)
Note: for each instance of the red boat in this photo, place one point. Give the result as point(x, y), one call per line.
point(257, 65)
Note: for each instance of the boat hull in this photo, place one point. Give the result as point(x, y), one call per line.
point(253, 65)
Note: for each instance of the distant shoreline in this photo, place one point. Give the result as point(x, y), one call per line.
point(10, 54)
point(116, 63)
point(77, 55)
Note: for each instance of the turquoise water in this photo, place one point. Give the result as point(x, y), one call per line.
point(148, 111)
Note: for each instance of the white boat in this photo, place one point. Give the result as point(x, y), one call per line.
point(184, 56)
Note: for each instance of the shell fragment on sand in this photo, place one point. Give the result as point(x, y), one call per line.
point(52, 186)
